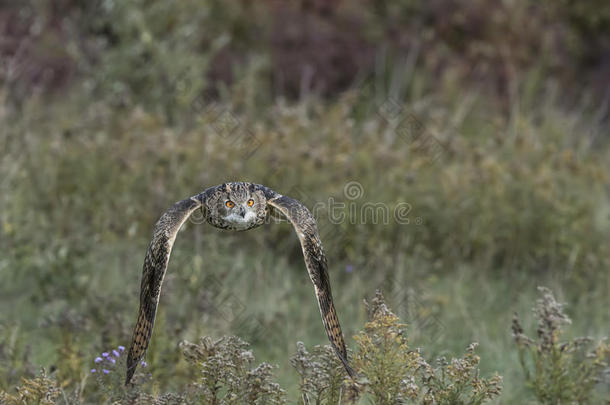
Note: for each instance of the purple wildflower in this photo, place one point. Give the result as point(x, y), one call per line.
point(113, 361)
point(349, 268)
point(93, 370)
point(144, 364)
point(105, 371)
point(116, 354)
point(98, 359)
point(105, 354)
point(121, 348)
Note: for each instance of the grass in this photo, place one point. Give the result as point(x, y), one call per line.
point(79, 209)
point(502, 195)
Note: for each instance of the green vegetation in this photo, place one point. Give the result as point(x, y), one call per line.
point(482, 129)
point(559, 372)
point(393, 373)
point(388, 373)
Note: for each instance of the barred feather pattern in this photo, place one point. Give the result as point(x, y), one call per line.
point(155, 266)
point(317, 267)
point(213, 202)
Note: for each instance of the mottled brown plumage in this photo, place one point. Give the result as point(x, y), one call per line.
point(234, 206)
point(315, 261)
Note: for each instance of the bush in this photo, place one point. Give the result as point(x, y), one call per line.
point(40, 390)
point(227, 376)
point(389, 372)
point(558, 371)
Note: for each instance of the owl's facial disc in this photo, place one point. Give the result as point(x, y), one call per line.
point(236, 206)
point(240, 215)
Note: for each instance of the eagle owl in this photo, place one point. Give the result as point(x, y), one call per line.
point(233, 206)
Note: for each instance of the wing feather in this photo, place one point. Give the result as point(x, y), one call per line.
point(155, 266)
point(315, 261)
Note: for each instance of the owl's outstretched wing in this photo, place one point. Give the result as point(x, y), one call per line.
point(315, 261)
point(155, 265)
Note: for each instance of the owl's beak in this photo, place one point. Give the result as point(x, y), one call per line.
point(242, 212)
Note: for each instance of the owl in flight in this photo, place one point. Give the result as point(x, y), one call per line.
point(235, 206)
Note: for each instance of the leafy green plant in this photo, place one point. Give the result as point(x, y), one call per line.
point(226, 373)
point(384, 359)
point(321, 374)
point(558, 371)
point(390, 372)
point(40, 390)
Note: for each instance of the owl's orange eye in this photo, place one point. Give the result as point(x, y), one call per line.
point(230, 204)
point(250, 202)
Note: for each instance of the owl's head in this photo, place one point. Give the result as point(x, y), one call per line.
point(237, 206)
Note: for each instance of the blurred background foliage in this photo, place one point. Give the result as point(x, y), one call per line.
point(111, 111)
